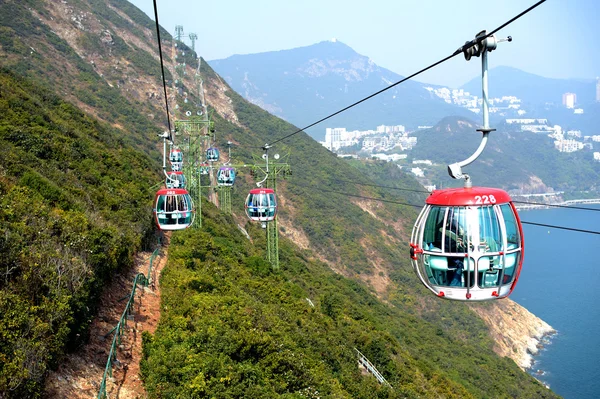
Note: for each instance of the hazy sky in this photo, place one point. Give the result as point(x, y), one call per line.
point(559, 39)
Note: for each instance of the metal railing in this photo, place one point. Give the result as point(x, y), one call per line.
point(362, 359)
point(140, 278)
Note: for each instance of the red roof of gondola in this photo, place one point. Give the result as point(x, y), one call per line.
point(262, 191)
point(468, 197)
point(172, 191)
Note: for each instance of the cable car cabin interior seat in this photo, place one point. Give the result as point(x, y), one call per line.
point(471, 251)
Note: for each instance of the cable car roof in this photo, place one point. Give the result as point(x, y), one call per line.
point(172, 191)
point(262, 191)
point(468, 197)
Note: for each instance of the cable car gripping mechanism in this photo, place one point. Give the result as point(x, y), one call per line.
point(480, 46)
point(266, 158)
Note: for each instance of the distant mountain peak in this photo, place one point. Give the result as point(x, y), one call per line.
point(302, 83)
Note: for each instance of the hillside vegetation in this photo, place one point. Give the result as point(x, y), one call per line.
point(231, 328)
point(511, 160)
point(74, 208)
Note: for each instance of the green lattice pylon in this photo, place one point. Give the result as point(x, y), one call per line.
point(225, 198)
point(273, 244)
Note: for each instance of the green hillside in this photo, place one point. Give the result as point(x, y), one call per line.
point(78, 169)
point(510, 159)
point(75, 205)
point(232, 328)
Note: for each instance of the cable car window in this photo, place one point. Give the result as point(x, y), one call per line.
point(512, 231)
point(272, 205)
point(432, 236)
point(160, 206)
point(455, 234)
point(262, 200)
point(490, 234)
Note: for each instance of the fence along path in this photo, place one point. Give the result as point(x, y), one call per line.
point(81, 373)
point(129, 370)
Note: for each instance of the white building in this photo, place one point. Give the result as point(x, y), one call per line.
point(333, 137)
point(389, 158)
point(418, 172)
point(527, 121)
point(422, 162)
point(569, 100)
point(568, 145)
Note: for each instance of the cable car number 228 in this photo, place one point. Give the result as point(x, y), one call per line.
point(485, 199)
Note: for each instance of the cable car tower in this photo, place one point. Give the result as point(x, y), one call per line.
point(225, 180)
point(193, 122)
point(467, 243)
point(261, 203)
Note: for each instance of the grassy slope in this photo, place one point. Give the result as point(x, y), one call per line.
point(232, 328)
point(74, 207)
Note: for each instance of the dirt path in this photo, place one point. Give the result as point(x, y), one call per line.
point(80, 374)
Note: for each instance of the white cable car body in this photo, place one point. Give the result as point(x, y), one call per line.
point(226, 176)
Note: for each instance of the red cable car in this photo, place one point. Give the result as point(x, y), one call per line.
point(467, 244)
point(261, 204)
point(174, 209)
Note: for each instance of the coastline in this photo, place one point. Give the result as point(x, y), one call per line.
point(530, 206)
point(517, 333)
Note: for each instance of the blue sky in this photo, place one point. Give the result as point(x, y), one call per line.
point(559, 39)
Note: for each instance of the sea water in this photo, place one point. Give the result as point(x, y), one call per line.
point(560, 283)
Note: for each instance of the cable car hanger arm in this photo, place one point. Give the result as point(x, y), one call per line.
point(480, 46)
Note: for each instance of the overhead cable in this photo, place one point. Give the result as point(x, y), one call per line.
point(561, 227)
point(162, 68)
point(558, 206)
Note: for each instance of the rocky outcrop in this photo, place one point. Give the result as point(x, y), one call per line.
point(517, 332)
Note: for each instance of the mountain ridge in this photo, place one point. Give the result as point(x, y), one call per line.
point(325, 77)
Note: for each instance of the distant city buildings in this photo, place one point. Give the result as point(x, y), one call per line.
point(384, 138)
point(569, 100)
point(564, 141)
point(473, 103)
